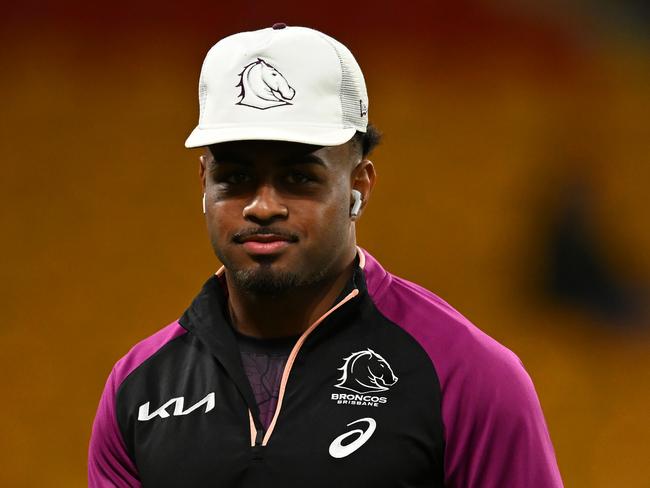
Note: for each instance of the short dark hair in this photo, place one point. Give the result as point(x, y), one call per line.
point(369, 140)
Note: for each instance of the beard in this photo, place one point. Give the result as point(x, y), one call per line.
point(265, 280)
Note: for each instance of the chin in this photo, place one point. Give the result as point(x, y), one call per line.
point(271, 278)
point(264, 280)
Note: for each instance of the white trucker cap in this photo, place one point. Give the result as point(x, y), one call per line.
point(281, 84)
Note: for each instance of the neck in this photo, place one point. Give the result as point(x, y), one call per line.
point(289, 314)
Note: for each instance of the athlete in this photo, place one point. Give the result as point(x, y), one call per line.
point(302, 362)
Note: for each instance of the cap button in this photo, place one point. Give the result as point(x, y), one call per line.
point(279, 25)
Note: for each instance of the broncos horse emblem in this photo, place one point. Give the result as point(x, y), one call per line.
point(366, 372)
point(263, 86)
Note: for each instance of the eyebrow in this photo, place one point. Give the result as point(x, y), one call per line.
point(304, 159)
point(228, 157)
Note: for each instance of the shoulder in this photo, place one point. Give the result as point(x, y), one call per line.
point(477, 374)
point(144, 350)
point(455, 345)
point(109, 462)
point(488, 402)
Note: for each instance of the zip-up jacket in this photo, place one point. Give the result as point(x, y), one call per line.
point(391, 387)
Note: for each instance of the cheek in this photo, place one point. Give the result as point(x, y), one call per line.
point(222, 219)
point(324, 219)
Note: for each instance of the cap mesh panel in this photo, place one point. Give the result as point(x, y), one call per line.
point(203, 95)
point(354, 98)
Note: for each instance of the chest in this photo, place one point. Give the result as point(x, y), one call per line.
point(354, 413)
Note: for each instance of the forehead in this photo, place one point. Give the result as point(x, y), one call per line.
point(280, 152)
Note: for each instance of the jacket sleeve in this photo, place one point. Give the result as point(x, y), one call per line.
point(496, 437)
point(109, 464)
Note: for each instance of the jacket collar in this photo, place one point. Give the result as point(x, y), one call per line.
point(207, 319)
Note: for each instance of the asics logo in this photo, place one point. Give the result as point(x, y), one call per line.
point(338, 450)
point(179, 404)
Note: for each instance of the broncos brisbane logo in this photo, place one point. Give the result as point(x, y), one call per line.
point(263, 86)
point(366, 372)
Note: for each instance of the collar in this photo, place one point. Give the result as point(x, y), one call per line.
point(207, 319)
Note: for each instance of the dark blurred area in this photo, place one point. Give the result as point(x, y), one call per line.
point(513, 182)
point(579, 268)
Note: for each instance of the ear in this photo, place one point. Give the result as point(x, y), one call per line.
point(363, 180)
point(203, 159)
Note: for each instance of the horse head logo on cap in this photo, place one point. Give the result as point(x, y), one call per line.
point(263, 86)
point(366, 372)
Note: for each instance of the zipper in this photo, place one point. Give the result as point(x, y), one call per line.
point(258, 437)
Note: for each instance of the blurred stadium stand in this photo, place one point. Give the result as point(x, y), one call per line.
point(513, 182)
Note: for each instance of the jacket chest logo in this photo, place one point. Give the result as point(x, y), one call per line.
point(364, 373)
point(179, 408)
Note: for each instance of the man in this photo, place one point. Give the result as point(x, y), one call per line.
point(302, 362)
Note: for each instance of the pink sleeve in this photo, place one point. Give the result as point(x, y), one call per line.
point(109, 464)
point(495, 430)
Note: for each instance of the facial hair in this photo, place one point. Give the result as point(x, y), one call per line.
point(264, 280)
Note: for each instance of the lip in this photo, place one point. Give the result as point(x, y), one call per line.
point(271, 247)
point(265, 244)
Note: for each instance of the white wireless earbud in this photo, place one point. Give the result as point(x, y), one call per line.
point(356, 194)
point(204, 203)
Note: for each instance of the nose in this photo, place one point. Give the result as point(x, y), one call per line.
point(266, 207)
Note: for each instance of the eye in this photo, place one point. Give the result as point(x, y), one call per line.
point(299, 178)
point(236, 178)
point(274, 74)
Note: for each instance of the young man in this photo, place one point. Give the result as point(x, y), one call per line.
point(302, 362)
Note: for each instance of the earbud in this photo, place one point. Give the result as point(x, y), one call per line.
point(356, 195)
point(204, 203)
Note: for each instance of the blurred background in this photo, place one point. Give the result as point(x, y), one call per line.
point(513, 182)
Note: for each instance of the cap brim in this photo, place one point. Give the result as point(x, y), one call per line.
point(318, 136)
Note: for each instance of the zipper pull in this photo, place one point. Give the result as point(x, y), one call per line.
point(259, 436)
point(257, 448)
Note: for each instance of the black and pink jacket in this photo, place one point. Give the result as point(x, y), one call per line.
point(390, 388)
